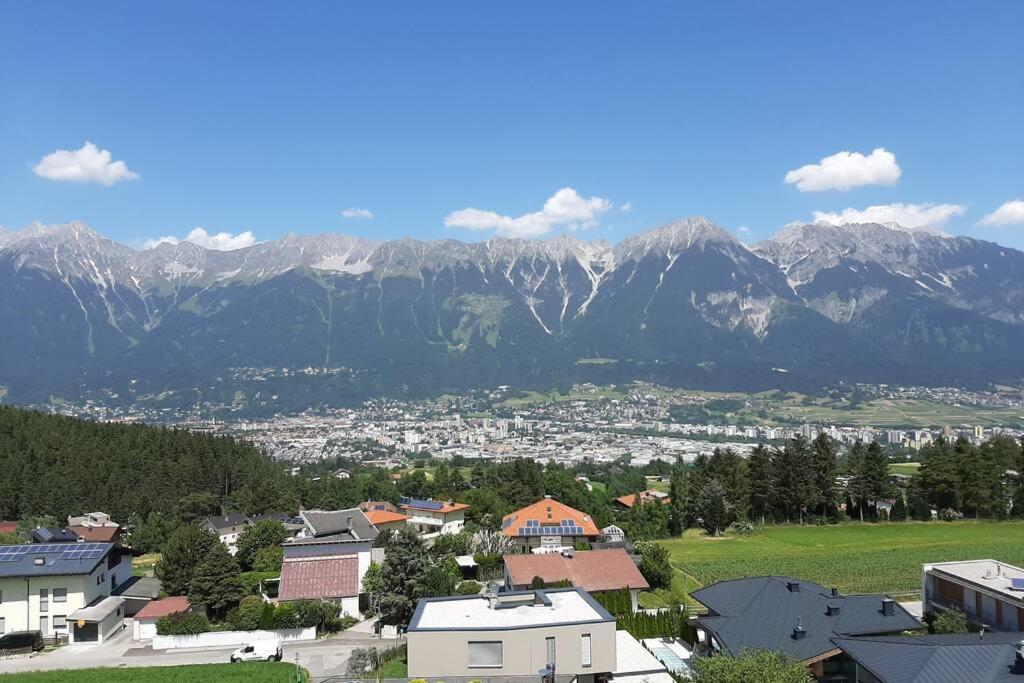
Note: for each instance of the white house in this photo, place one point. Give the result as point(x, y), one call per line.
point(433, 517)
point(63, 589)
point(228, 528)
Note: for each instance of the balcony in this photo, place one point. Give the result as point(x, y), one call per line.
point(935, 600)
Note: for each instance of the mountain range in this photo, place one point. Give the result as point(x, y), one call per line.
point(684, 304)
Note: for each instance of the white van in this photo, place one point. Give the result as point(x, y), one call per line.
point(261, 650)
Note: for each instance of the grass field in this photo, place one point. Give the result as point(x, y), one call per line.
point(910, 468)
point(857, 558)
point(250, 672)
point(143, 564)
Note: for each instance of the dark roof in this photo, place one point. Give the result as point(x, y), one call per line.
point(226, 521)
point(57, 559)
point(591, 570)
point(101, 534)
point(54, 535)
point(334, 525)
point(139, 587)
point(319, 577)
point(762, 613)
point(937, 658)
point(281, 517)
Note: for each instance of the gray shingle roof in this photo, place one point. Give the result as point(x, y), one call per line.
point(52, 559)
point(335, 524)
point(762, 612)
point(936, 658)
point(219, 522)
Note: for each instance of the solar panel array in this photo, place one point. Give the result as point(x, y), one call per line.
point(421, 504)
point(567, 527)
point(67, 551)
point(1017, 584)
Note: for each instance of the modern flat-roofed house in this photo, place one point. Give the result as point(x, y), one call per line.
point(434, 517)
point(797, 618)
point(329, 560)
point(227, 528)
point(63, 589)
point(96, 527)
point(649, 496)
point(592, 570)
point(989, 592)
point(548, 524)
point(512, 634)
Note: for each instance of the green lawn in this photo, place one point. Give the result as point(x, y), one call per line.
point(144, 564)
point(396, 668)
point(249, 672)
point(904, 467)
point(857, 558)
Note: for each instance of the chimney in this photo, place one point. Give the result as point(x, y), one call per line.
point(835, 592)
point(348, 524)
point(888, 607)
point(798, 631)
point(793, 586)
point(832, 610)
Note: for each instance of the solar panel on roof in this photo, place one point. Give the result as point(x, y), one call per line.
point(1017, 584)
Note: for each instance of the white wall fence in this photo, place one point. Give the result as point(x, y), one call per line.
point(232, 638)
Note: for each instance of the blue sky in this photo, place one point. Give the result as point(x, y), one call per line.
point(277, 117)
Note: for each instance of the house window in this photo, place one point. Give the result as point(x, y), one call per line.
point(549, 648)
point(485, 654)
point(44, 599)
point(60, 594)
point(3, 625)
point(585, 656)
point(59, 622)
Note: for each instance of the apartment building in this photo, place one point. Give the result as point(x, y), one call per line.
point(63, 589)
point(989, 592)
point(565, 632)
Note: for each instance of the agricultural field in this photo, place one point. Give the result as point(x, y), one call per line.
point(857, 558)
point(249, 672)
point(904, 413)
point(908, 468)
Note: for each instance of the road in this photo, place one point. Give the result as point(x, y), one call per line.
point(322, 658)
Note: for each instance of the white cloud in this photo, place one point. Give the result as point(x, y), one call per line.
point(626, 208)
point(221, 241)
point(743, 230)
point(355, 212)
point(925, 215)
point(847, 170)
point(566, 208)
point(1010, 213)
point(87, 165)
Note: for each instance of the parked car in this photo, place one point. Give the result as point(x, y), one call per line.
point(261, 650)
point(22, 640)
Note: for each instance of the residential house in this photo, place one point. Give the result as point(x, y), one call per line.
point(53, 535)
point(227, 528)
point(138, 591)
point(329, 559)
point(797, 618)
point(548, 524)
point(594, 571)
point(649, 496)
point(989, 592)
point(9, 527)
point(384, 519)
point(947, 658)
point(63, 589)
point(512, 634)
point(92, 519)
point(433, 517)
point(144, 623)
point(292, 525)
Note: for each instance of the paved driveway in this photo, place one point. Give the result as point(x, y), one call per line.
point(323, 658)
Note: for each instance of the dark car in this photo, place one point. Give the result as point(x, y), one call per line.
point(22, 640)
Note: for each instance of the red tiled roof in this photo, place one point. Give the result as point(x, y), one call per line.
point(332, 576)
point(547, 511)
point(591, 570)
point(8, 527)
point(99, 534)
point(649, 496)
point(384, 516)
point(161, 608)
